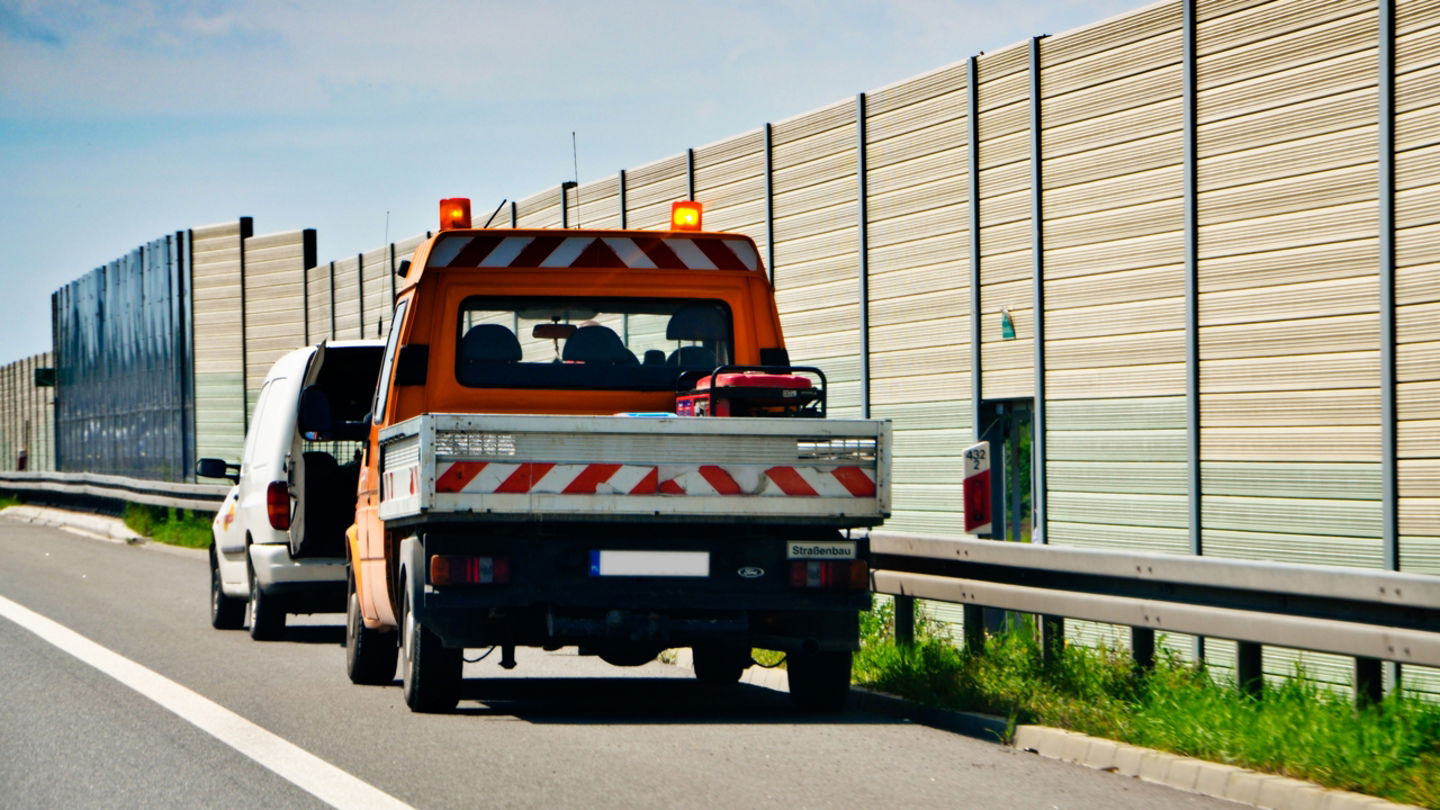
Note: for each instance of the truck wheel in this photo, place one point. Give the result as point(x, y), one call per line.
point(819, 681)
point(226, 612)
point(369, 654)
point(432, 671)
point(718, 664)
point(265, 614)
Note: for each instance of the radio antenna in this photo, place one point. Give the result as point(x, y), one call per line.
point(575, 165)
point(493, 214)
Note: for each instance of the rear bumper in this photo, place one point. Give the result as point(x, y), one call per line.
point(555, 598)
point(306, 585)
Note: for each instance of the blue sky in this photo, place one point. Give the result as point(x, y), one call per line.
point(123, 121)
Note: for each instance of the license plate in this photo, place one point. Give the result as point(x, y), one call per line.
point(613, 563)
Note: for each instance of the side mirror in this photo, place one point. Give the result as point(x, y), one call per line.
point(403, 269)
point(317, 421)
point(410, 365)
point(217, 468)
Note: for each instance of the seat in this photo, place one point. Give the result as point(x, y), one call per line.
point(598, 345)
point(692, 357)
point(654, 357)
point(698, 322)
point(327, 507)
point(489, 344)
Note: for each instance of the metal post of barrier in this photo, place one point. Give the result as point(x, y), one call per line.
point(1249, 667)
point(905, 620)
point(1142, 647)
point(1052, 636)
point(1369, 681)
point(974, 618)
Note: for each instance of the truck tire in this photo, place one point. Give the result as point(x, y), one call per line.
point(226, 612)
point(265, 614)
point(819, 681)
point(719, 664)
point(370, 655)
point(432, 671)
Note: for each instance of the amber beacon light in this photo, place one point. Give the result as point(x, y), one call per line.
point(454, 213)
point(685, 215)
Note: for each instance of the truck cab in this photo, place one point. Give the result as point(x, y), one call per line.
point(278, 539)
point(529, 480)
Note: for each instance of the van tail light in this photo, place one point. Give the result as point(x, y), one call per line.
point(850, 575)
point(277, 505)
point(454, 569)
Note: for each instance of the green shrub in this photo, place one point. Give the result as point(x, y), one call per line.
point(1298, 728)
point(176, 527)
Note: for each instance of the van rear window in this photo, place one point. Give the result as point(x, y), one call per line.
point(591, 343)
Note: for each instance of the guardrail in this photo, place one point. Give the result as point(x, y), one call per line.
point(1374, 616)
point(201, 497)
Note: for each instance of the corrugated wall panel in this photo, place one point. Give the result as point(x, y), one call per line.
point(319, 314)
point(274, 304)
point(814, 160)
point(919, 290)
point(650, 189)
point(218, 340)
point(597, 205)
point(379, 290)
point(1417, 316)
point(539, 210)
point(1006, 265)
point(346, 281)
point(1114, 384)
point(1289, 346)
point(730, 181)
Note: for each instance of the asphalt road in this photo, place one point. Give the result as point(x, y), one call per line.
point(559, 731)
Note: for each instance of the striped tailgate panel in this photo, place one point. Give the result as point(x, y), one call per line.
point(640, 252)
point(485, 477)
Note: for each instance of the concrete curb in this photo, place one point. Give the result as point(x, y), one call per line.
point(1193, 775)
point(86, 524)
point(1183, 773)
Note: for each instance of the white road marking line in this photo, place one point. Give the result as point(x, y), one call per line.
point(291, 762)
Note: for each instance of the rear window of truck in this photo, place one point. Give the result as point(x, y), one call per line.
point(591, 343)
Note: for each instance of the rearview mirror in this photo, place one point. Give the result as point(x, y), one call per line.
point(553, 331)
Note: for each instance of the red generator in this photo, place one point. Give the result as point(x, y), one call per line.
point(755, 391)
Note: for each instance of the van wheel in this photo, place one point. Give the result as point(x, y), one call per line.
point(819, 681)
point(719, 664)
point(369, 654)
point(226, 612)
point(432, 671)
point(265, 615)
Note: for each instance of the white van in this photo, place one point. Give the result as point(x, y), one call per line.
point(279, 536)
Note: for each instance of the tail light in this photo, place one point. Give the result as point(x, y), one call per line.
point(453, 569)
point(852, 575)
point(277, 505)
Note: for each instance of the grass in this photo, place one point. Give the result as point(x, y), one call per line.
point(1298, 729)
point(8, 500)
point(176, 527)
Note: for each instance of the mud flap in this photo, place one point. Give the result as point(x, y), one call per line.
point(413, 574)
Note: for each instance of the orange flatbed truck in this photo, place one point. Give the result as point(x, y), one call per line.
point(529, 480)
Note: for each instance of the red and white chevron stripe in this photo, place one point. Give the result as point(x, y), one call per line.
point(638, 252)
point(485, 477)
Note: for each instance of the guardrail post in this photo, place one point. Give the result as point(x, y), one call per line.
point(1142, 647)
point(974, 618)
point(1249, 667)
point(905, 620)
point(1052, 636)
point(1369, 681)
